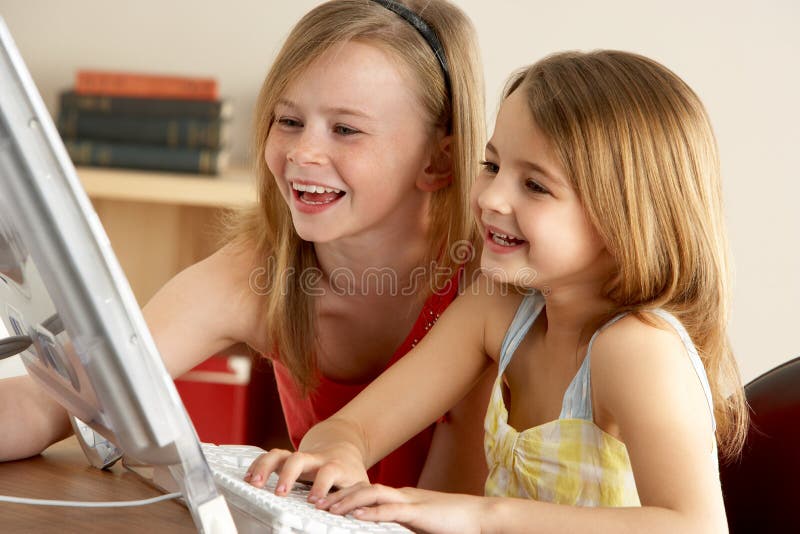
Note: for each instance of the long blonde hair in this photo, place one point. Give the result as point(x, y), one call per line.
point(289, 310)
point(639, 149)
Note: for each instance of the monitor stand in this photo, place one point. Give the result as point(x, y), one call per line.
point(211, 516)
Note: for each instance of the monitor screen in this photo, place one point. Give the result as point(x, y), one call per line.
point(63, 292)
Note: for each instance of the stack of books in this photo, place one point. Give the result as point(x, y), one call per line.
point(141, 121)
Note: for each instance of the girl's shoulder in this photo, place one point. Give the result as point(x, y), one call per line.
point(639, 366)
point(621, 342)
point(229, 269)
point(206, 308)
point(646, 392)
point(497, 303)
point(633, 344)
point(228, 281)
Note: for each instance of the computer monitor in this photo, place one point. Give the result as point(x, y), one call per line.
point(63, 292)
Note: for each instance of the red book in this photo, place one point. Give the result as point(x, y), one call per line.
point(92, 82)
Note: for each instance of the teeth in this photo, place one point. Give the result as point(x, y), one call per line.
point(500, 241)
point(314, 188)
point(506, 240)
point(504, 236)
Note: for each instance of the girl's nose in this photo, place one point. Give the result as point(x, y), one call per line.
point(306, 150)
point(495, 196)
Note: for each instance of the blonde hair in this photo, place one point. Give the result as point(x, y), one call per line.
point(640, 152)
point(289, 311)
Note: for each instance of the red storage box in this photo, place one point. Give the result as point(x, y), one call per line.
point(216, 397)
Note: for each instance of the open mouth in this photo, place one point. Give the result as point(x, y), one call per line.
point(505, 240)
point(316, 195)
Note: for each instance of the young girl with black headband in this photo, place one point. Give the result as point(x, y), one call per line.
point(368, 128)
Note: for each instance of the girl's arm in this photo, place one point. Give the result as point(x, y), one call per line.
point(410, 395)
point(204, 309)
point(444, 513)
point(644, 385)
point(456, 461)
point(644, 382)
point(31, 419)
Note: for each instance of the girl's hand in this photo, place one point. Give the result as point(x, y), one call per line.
point(338, 464)
point(420, 510)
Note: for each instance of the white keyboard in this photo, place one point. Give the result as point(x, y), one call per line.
point(260, 510)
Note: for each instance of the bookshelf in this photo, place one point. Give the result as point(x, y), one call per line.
point(229, 190)
point(160, 223)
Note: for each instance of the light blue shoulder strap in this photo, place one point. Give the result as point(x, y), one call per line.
point(577, 403)
point(528, 311)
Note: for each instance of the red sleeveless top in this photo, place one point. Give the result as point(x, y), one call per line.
point(403, 466)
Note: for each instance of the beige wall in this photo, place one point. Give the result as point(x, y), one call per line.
point(741, 57)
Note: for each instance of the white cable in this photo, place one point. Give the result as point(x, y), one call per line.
point(88, 504)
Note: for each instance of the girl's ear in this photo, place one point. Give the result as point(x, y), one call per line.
point(439, 171)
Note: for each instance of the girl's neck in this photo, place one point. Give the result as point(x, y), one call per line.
point(376, 262)
point(572, 313)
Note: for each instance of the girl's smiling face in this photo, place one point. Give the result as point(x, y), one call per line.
point(535, 230)
point(348, 143)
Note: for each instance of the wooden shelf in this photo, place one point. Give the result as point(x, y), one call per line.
point(159, 223)
point(234, 188)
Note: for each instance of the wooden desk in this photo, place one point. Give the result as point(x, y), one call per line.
point(62, 473)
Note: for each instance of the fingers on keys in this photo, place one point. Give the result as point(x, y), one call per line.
point(328, 475)
point(362, 495)
point(295, 465)
point(290, 466)
point(266, 464)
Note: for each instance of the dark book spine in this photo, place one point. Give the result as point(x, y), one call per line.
point(149, 157)
point(171, 132)
point(148, 107)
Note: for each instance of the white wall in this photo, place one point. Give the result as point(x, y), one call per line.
point(741, 57)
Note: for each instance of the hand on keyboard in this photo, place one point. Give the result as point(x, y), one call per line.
point(258, 509)
point(420, 510)
point(337, 464)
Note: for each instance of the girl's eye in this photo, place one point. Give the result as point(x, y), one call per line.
point(341, 129)
point(490, 167)
point(536, 187)
point(288, 121)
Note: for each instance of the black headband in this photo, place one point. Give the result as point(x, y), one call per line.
point(426, 31)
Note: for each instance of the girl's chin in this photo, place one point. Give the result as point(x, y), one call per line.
point(524, 277)
point(314, 235)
